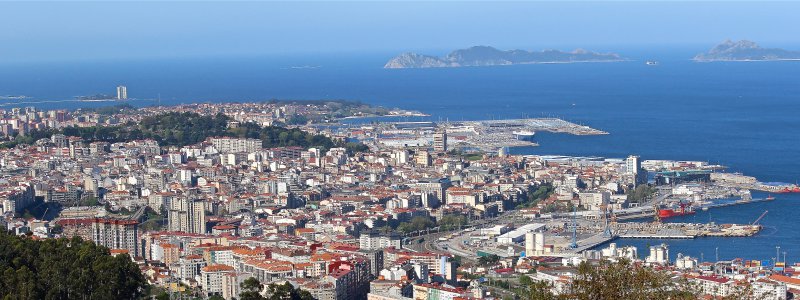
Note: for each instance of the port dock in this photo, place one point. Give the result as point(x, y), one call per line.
point(682, 230)
point(490, 135)
point(484, 135)
point(737, 202)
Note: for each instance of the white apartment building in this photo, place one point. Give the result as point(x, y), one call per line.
point(233, 145)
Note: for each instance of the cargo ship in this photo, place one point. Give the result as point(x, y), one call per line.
point(794, 189)
point(683, 210)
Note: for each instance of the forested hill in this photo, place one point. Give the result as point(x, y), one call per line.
point(65, 269)
point(181, 129)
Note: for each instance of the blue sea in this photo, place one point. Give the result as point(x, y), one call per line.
point(745, 115)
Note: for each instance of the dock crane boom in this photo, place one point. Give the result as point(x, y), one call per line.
point(759, 218)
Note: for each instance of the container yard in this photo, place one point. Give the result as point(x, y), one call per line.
point(682, 230)
point(484, 135)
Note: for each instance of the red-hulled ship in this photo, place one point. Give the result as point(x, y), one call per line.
point(684, 209)
point(795, 189)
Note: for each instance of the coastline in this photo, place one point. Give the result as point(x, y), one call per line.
point(516, 64)
point(743, 60)
point(410, 114)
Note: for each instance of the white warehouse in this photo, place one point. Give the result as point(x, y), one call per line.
point(518, 235)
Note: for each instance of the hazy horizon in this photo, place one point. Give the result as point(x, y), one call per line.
point(68, 31)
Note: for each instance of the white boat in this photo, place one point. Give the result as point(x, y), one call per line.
point(651, 63)
point(523, 134)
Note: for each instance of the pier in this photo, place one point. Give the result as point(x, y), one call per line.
point(485, 135)
point(737, 202)
point(590, 242)
point(682, 230)
point(490, 135)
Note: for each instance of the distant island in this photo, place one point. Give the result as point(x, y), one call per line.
point(489, 56)
point(745, 50)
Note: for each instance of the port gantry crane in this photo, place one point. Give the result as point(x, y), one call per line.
point(759, 218)
point(657, 218)
point(607, 231)
point(574, 243)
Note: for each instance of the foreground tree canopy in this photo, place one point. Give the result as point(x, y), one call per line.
point(251, 290)
point(65, 269)
point(620, 280)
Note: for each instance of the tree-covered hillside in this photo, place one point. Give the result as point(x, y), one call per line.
point(180, 129)
point(65, 269)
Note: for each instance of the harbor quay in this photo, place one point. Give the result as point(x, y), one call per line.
point(483, 135)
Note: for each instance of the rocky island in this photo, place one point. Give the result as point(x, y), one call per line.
point(490, 56)
point(745, 50)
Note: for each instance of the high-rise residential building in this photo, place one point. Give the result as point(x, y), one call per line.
point(122, 92)
point(423, 158)
point(187, 215)
point(633, 167)
point(211, 278)
point(117, 234)
point(440, 141)
point(234, 145)
point(375, 241)
point(15, 199)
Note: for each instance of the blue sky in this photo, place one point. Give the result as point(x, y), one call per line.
point(47, 31)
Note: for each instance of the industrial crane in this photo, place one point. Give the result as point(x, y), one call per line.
point(574, 243)
point(759, 218)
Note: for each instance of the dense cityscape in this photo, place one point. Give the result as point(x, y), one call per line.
point(399, 150)
point(204, 198)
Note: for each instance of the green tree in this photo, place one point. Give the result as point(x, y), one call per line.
point(535, 290)
point(640, 193)
point(488, 260)
point(65, 269)
point(251, 289)
point(525, 280)
point(89, 201)
point(287, 292)
point(162, 296)
point(416, 224)
point(448, 222)
point(538, 193)
point(624, 280)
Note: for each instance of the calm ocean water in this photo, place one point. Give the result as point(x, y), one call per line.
point(742, 115)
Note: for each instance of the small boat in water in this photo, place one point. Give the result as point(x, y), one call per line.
point(651, 63)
